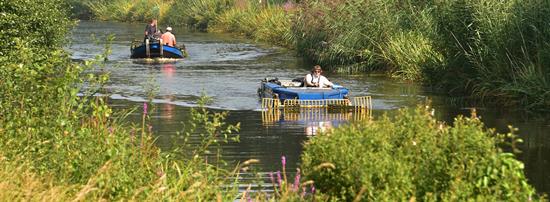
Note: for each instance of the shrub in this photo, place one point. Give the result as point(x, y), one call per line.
point(51, 133)
point(413, 156)
point(39, 24)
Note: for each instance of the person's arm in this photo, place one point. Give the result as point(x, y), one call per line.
point(174, 38)
point(326, 82)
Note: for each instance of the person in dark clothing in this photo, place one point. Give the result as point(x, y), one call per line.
point(151, 29)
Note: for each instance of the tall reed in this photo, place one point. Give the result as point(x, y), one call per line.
point(271, 24)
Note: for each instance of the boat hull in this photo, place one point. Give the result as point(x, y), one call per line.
point(168, 52)
point(273, 90)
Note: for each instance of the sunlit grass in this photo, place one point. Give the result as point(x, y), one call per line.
point(270, 24)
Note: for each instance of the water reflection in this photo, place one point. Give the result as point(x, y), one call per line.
point(314, 128)
point(167, 109)
point(168, 70)
point(314, 120)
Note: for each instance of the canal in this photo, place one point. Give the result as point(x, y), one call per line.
point(228, 69)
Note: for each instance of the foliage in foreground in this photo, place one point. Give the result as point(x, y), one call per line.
point(76, 147)
point(413, 156)
point(58, 145)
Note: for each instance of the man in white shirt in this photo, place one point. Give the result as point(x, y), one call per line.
point(315, 79)
point(168, 38)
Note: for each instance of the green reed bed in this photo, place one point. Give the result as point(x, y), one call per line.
point(507, 52)
point(197, 14)
point(127, 11)
point(270, 24)
point(488, 49)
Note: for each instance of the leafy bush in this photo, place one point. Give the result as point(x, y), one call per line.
point(38, 24)
point(413, 156)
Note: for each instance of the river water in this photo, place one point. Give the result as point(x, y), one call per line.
point(228, 69)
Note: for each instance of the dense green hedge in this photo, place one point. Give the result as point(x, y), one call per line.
point(413, 156)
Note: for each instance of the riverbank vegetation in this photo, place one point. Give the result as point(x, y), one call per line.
point(60, 141)
point(58, 145)
point(413, 157)
point(488, 50)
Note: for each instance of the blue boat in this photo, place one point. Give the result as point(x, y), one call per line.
point(292, 89)
point(156, 51)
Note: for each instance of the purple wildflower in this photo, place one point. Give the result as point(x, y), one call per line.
point(283, 160)
point(145, 108)
point(296, 181)
point(312, 189)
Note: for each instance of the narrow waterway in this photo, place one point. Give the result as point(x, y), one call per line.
point(229, 70)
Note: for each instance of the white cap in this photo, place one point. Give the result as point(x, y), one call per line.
point(169, 29)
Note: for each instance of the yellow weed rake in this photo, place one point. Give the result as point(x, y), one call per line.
point(315, 114)
point(356, 102)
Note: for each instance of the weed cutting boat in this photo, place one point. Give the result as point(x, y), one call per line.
point(277, 93)
point(154, 49)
